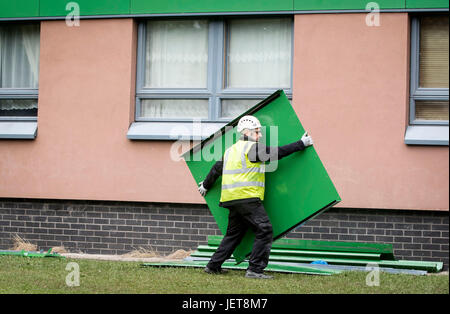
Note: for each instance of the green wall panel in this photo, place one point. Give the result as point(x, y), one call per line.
point(429, 4)
point(23, 8)
point(297, 190)
point(51, 8)
point(346, 4)
point(193, 6)
point(87, 7)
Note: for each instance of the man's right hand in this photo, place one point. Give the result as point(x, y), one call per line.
point(202, 189)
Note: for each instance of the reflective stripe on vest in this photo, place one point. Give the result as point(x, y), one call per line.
point(241, 184)
point(241, 178)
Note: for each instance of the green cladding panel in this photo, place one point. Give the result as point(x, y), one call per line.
point(201, 6)
point(57, 8)
point(345, 4)
point(23, 8)
point(429, 4)
point(297, 187)
point(87, 7)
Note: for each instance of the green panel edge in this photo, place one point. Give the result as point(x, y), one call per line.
point(24, 253)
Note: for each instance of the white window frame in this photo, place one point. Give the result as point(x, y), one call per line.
point(423, 132)
point(19, 127)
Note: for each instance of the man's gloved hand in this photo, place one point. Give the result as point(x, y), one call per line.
point(307, 140)
point(201, 189)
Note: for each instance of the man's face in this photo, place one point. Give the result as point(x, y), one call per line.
point(255, 134)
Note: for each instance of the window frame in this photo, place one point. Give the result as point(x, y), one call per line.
point(12, 93)
point(423, 132)
point(20, 93)
point(216, 90)
point(418, 93)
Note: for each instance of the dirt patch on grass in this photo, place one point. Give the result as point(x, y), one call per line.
point(179, 254)
point(138, 255)
point(142, 252)
point(59, 249)
point(442, 273)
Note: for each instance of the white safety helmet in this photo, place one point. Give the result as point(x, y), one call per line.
point(248, 122)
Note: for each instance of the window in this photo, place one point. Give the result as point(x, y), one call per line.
point(429, 81)
point(19, 71)
point(19, 79)
point(209, 70)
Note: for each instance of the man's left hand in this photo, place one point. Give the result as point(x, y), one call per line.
point(307, 140)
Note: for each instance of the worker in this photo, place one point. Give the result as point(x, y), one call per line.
point(242, 171)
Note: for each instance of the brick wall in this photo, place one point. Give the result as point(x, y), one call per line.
point(120, 227)
point(105, 227)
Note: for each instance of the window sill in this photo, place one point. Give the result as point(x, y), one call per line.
point(426, 135)
point(172, 130)
point(18, 130)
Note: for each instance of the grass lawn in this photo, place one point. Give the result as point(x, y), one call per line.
point(48, 275)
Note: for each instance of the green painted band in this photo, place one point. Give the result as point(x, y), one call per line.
point(60, 8)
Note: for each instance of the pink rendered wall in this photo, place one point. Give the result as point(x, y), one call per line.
point(86, 104)
point(350, 90)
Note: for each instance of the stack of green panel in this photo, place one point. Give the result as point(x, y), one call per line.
point(271, 267)
point(333, 253)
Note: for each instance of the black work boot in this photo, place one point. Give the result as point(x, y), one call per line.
point(252, 274)
point(215, 271)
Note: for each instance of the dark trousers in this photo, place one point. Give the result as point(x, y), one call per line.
point(243, 216)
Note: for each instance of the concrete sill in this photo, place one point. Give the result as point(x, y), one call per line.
point(18, 130)
point(172, 130)
point(427, 135)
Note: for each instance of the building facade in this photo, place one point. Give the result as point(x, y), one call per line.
point(94, 94)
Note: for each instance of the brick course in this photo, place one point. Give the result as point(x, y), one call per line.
point(100, 227)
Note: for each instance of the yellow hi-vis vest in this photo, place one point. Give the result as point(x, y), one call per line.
point(241, 178)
